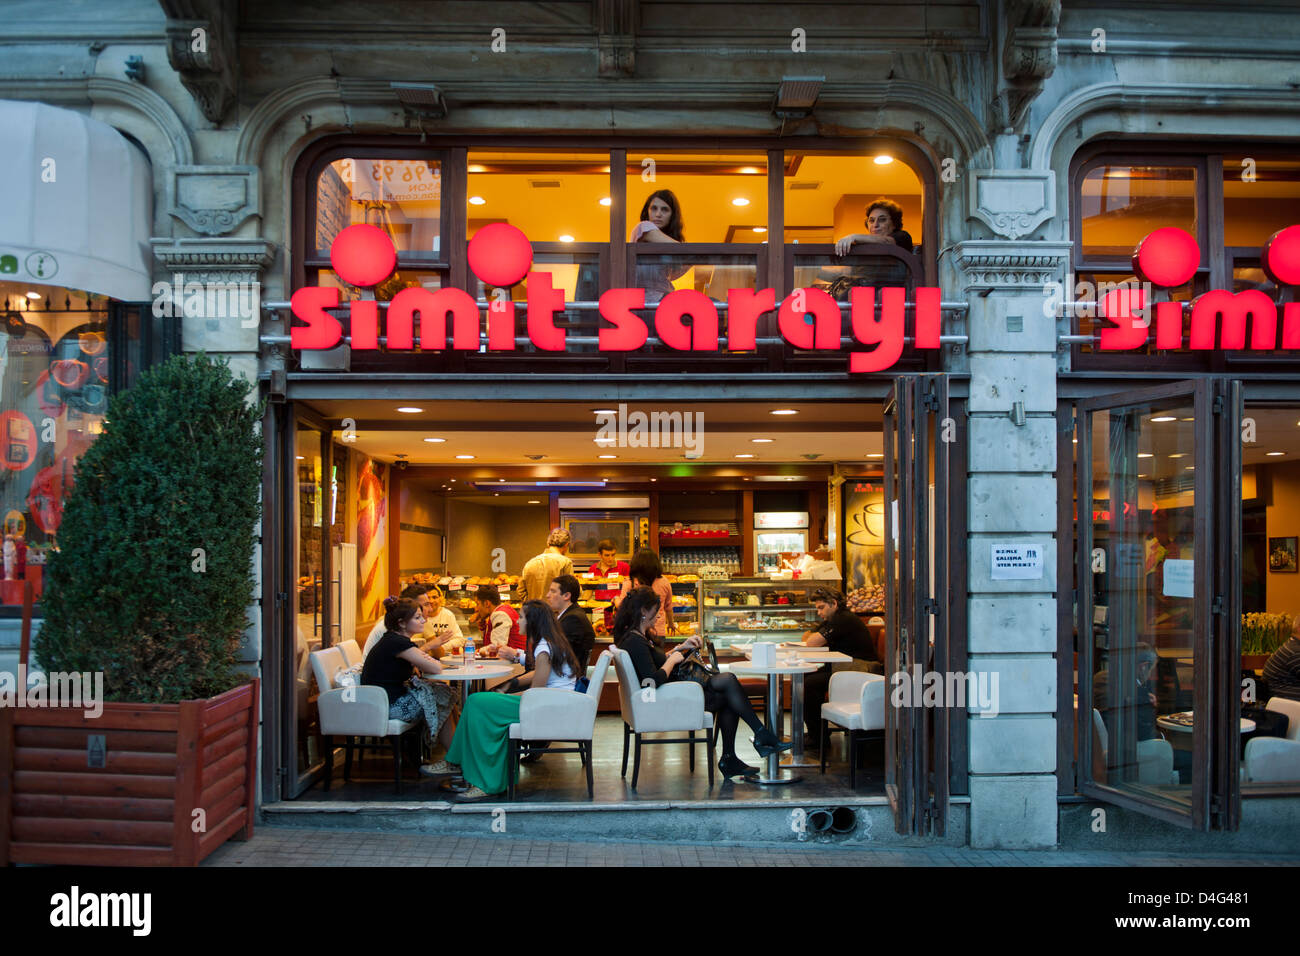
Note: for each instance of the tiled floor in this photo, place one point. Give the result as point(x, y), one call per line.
point(273, 846)
point(665, 775)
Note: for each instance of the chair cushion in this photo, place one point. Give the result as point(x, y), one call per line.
point(399, 726)
point(847, 714)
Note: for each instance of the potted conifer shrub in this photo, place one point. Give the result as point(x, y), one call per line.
point(150, 588)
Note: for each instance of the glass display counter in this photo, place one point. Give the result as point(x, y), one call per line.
point(744, 610)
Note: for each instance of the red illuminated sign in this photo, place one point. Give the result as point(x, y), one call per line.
point(1168, 258)
point(685, 320)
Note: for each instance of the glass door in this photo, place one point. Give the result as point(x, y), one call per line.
point(916, 548)
point(1159, 599)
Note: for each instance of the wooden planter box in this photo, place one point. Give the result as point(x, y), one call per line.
point(162, 762)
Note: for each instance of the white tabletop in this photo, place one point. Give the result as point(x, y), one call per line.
point(1247, 725)
point(813, 655)
point(476, 671)
point(788, 666)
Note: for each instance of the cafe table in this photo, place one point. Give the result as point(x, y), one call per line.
point(788, 667)
point(810, 655)
point(480, 670)
point(1181, 723)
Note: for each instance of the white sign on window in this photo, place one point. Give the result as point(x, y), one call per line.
point(1178, 578)
point(1017, 562)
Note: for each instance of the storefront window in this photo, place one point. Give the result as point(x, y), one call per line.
point(1121, 204)
point(54, 386)
point(1261, 194)
point(826, 197)
point(401, 196)
point(721, 197)
point(549, 196)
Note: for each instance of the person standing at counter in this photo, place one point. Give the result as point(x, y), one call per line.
point(563, 599)
point(543, 568)
point(841, 631)
point(609, 564)
point(645, 571)
point(500, 622)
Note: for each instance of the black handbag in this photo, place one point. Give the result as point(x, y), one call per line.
point(694, 669)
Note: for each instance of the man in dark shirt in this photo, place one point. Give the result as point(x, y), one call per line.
point(562, 596)
point(1140, 714)
point(842, 631)
point(1282, 669)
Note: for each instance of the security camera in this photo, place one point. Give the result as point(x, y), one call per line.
point(402, 463)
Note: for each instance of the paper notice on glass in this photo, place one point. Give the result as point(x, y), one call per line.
point(1178, 578)
point(893, 513)
point(1017, 562)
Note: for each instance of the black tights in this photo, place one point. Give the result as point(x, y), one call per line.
point(726, 699)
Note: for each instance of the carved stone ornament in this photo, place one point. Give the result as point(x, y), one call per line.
point(615, 22)
point(1028, 58)
point(1003, 266)
point(1013, 203)
point(214, 200)
point(202, 49)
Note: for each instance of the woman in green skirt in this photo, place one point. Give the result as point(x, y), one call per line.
point(481, 746)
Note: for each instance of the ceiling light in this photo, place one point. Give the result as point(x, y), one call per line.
point(476, 200)
point(744, 456)
point(1190, 468)
point(465, 457)
point(566, 238)
point(883, 160)
point(784, 411)
point(435, 441)
point(500, 480)
point(762, 441)
point(1275, 454)
point(876, 456)
point(410, 410)
point(1164, 418)
point(654, 479)
point(607, 201)
point(1181, 454)
point(534, 501)
point(760, 228)
point(496, 494)
point(477, 169)
point(1145, 454)
point(1074, 440)
point(603, 441)
point(300, 457)
point(33, 295)
point(750, 170)
point(604, 411)
point(607, 456)
point(1187, 419)
point(740, 201)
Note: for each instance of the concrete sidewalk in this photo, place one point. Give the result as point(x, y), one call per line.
point(284, 846)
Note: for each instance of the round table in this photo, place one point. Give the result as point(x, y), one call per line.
point(809, 655)
point(774, 718)
point(1164, 723)
point(479, 670)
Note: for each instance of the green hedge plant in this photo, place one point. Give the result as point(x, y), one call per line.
point(151, 582)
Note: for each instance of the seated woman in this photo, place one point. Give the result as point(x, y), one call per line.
point(392, 662)
point(661, 222)
point(481, 747)
point(723, 696)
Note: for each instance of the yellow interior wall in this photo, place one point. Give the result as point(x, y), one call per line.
point(1282, 519)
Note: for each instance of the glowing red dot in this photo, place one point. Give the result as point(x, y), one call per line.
point(1282, 256)
point(363, 255)
point(1167, 258)
point(500, 254)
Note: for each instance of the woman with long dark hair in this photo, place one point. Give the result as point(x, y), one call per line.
point(661, 222)
point(646, 571)
point(723, 696)
point(480, 751)
point(393, 661)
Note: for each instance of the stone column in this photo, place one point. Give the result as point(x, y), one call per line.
point(1012, 500)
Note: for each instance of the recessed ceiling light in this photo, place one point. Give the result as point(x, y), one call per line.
point(534, 501)
point(603, 441)
point(740, 201)
point(654, 479)
point(435, 441)
point(744, 456)
point(760, 229)
point(476, 200)
point(607, 201)
point(607, 456)
point(566, 238)
point(1181, 454)
point(603, 411)
point(784, 411)
point(33, 295)
point(1165, 418)
point(477, 169)
point(750, 170)
point(1145, 454)
point(500, 480)
point(883, 160)
point(1275, 454)
point(876, 456)
point(762, 441)
point(465, 457)
point(300, 457)
point(410, 410)
point(453, 481)
point(496, 494)
point(1190, 468)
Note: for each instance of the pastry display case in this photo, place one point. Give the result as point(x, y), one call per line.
point(744, 610)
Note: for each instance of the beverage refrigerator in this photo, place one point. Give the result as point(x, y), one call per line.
point(776, 532)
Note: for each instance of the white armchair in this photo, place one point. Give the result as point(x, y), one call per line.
point(1284, 705)
point(1271, 760)
point(353, 712)
point(549, 713)
point(671, 708)
point(1155, 758)
point(855, 703)
point(351, 652)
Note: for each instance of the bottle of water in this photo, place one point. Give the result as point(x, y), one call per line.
point(469, 651)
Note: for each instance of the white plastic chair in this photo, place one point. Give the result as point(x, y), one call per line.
point(1271, 760)
point(351, 652)
point(856, 704)
point(1155, 757)
point(1284, 705)
point(671, 708)
point(550, 713)
point(360, 711)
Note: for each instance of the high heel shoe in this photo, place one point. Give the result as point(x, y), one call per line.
point(733, 766)
point(767, 743)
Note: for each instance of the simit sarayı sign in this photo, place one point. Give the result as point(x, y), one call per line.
point(500, 255)
point(1168, 258)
